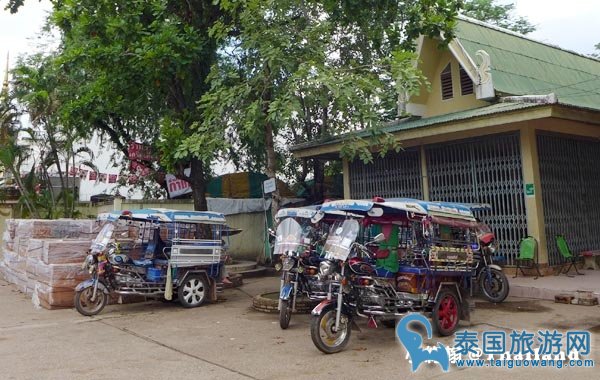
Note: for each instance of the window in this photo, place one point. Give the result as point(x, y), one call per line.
point(446, 81)
point(466, 84)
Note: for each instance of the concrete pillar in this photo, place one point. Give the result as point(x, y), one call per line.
point(118, 203)
point(346, 176)
point(533, 202)
point(424, 178)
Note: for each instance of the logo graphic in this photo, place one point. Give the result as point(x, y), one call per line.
point(413, 343)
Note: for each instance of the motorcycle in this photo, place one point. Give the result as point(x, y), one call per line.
point(298, 264)
point(489, 277)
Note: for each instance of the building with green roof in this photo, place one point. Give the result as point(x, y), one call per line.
point(508, 121)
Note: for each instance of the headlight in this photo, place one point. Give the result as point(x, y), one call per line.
point(288, 263)
point(88, 262)
point(325, 268)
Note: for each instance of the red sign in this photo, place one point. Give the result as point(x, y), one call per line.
point(176, 186)
point(139, 169)
point(140, 152)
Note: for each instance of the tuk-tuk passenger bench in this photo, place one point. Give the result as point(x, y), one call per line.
point(591, 259)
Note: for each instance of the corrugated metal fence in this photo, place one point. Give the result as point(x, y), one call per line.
point(570, 179)
point(483, 170)
point(396, 175)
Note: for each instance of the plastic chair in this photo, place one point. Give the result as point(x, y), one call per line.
point(570, 258)
point(528, 253)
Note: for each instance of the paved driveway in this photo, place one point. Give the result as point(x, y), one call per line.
point(228, 340)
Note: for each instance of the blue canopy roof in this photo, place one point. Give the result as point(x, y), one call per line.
point(295, 212)
point(166, 216)
point(446, 209)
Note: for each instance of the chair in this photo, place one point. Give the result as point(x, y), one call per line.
point(569, 258)
point(528, 253)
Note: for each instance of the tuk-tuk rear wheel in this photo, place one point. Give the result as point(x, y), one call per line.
point(446, 312)
point(193, 291)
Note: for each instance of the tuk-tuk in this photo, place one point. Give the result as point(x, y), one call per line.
point(404, 255)
point(155, 253)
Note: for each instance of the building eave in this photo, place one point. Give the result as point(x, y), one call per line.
point(415, 132)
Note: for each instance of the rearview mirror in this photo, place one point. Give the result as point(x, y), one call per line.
point(375, 212)
point(317, 217)
point(379, 238)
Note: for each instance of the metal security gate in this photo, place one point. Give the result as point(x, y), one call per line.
point(570, 181)
point(396, 175)
point(483, 170)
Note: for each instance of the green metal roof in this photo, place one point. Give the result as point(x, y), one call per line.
point(521, 66)
point(414, 123)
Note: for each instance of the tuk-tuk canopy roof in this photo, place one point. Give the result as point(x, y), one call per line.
point(295, 212)
point(165, 216)
point(445, 209)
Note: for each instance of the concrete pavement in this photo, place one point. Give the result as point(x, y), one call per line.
point(547, 287)
point(228, 340)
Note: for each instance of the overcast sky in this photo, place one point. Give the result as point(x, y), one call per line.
point(575, 27)
point(573, 24)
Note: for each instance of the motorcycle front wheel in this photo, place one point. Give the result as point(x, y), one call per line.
point(494, 285)
point(85, 305)
point(285, 314)
point(322, 331)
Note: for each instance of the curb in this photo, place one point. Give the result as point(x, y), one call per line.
point(266, 304)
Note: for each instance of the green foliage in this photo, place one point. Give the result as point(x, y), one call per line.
point(596, 55)
point(497, 14)
point(41, 88)
point(137, 70)
point(313, 69)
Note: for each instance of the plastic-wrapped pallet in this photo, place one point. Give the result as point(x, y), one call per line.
point(43, 257)
point(56, 275)
point(53, 229)
point(50, 297)
point(64, 251)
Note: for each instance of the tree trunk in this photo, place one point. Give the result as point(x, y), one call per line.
point(272, 167)
point(319, 181)
point(267, 97)
point(198, 181)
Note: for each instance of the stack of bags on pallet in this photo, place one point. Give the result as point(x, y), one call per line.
point(43, 258)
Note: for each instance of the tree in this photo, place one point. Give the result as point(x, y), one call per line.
point(137, 70)
point(14, 155)
point(302, 70)
point(497, 14)
point(597, 54)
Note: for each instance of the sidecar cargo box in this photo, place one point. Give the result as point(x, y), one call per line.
point(410, 279)
point(193, 252)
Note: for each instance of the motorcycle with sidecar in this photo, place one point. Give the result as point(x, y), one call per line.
point(154, 253)
point(402, 256)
